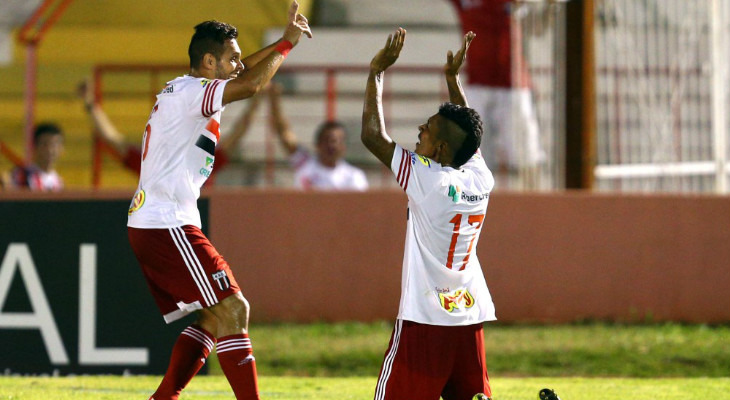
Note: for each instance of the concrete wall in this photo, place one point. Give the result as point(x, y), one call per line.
point(547, 257)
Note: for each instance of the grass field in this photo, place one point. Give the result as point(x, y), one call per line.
point(361, 388)
point(591, 349)
point(593, 361)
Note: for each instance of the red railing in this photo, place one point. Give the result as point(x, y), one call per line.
point(31, 35)
point(331, 74)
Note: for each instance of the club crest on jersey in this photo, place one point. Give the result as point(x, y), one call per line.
point(222, 280)
point(454, 193)
point(137, 202)
point(459, 299)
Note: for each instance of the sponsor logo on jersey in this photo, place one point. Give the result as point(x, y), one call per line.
point(424, 160)
point(474, 197)
point(204, 82)
point(222, 280)
point(208, 168)
point(454, 193)
point(459, 299)
point(168, 89)
point(137, 202)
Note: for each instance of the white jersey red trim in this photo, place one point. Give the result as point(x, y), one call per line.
point(442, 282)
point(178, 153)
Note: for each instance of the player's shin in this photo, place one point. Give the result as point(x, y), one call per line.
point(188, 355)
point(235, 355)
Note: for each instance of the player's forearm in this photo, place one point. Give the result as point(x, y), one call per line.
point(253, 80)
point(373, 134)
point(251, 60)
point(373, 124)
point(456, 91)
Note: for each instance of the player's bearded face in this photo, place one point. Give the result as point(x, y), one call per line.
point(229, 66)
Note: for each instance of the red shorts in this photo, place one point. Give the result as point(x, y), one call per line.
point(425, 362)
point(184, 271)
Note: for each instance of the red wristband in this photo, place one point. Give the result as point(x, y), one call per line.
point(283, 47)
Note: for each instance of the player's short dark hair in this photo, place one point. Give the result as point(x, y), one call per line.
point(46, 128)
point(327, 126)
point(209, 37)
point(469, 121)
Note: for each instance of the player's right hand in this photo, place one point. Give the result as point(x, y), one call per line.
point(297, 25)
point(390, 53)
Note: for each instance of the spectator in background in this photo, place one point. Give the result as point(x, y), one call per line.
point(41, 174)
point(131, 154)
point(325, 171)
point(498, 85)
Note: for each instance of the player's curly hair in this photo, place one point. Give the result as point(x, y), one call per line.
point(209, 37)
point(469, 121)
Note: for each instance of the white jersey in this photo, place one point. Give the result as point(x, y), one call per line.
point(311, 174)
point(36, 179)
point(178, 153)
point(443, 283)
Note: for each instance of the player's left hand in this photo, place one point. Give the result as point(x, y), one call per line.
point(298, 25)
point(390, 53)
point(455, 61)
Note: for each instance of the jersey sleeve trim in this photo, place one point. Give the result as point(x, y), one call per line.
point(404, 171)
point(208, 107)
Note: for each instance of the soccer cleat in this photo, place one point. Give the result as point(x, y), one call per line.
point(548, 394)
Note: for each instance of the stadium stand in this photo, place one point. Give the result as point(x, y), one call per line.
point(140, 33)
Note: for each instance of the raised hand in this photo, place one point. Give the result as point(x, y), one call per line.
point(455, 61)
point(389, 54)
point(297, 25)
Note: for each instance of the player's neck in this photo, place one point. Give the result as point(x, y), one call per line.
point(196, 73)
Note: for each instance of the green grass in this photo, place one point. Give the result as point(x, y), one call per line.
point(360, 388)
point(593, 361)
point(595, 349)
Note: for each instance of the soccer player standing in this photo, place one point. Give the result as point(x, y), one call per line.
point(184, 271)
point(437, 346)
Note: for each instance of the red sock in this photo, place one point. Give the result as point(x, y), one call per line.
point(235, 355)
point(188, 356)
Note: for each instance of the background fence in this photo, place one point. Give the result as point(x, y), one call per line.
point(662, 95)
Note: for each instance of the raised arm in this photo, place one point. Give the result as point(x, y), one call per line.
point(104, 126)
point(286, 136)
point(451, 71)
point(373, 135)
point(268, 60)
point(241, 126)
